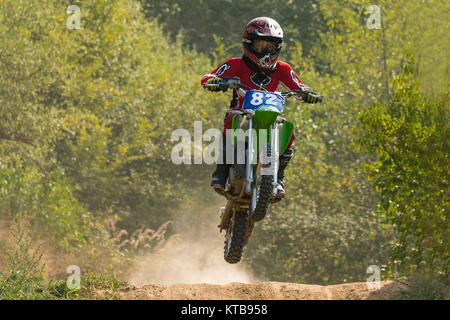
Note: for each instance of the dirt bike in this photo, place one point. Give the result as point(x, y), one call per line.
point(252, 183)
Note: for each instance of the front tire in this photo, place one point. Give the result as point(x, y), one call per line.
point(263, 195)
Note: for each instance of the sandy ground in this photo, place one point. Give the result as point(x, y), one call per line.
point(203, 279)
point(263, 291)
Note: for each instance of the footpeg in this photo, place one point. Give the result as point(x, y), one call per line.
point(220, 190)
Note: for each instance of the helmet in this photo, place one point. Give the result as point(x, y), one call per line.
point(262, 40)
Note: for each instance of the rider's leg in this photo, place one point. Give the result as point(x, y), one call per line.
point(283, 162)
point(220, 175)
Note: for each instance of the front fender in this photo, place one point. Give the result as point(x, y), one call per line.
point(286, 132)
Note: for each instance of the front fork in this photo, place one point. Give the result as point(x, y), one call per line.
point(250, 155)
point(273, 159)
point(274, 156)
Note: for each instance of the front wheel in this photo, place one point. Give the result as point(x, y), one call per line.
point(261, 197)
point(235, 237)
point(261, 193)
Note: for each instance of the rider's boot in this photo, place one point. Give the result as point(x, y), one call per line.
point(220, 175)
point(219, 178)
point(283, 162)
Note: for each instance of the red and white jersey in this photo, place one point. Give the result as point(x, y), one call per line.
point(237, 68)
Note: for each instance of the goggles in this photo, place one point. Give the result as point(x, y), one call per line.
point(264, 46)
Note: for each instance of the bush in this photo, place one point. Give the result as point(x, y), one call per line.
point(408, 138)
point(425, 288)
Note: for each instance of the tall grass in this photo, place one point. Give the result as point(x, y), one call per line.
point(24, 278)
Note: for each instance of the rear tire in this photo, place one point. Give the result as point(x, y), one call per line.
point(235, 238)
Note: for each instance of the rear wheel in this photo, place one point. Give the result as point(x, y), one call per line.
point(235, 238)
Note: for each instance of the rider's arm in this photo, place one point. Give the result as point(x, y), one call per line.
point(290, 80)
point(230, 68)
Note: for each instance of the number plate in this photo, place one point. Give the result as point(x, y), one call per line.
point(254, 99)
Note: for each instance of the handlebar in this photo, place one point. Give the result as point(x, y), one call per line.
point(302, 94)
point(233, 83)
point(227, 82)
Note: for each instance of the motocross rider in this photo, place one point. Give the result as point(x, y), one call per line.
point(259, 69)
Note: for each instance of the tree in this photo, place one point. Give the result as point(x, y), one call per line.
point(408, 137)
point(88, 115)
point(209, 24)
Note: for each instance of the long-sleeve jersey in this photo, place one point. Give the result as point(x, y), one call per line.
point(237, 68)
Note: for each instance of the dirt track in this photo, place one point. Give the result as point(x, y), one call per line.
point(263, 291)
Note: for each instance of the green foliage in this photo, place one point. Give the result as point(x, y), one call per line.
point(24, 278)
point(47, 202)
point(409, 138)
point(316, 247)
point(94, 282)
point(87, 117)
point(216, 25)
point(89, 114)
point(425, 288)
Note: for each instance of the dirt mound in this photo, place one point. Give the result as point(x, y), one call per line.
point(263, 291)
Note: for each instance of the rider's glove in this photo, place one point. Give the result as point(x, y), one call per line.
point(215, 82)
point(311, 97)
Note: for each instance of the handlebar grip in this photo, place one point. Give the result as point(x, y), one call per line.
point(319, 97)
point(221, 85)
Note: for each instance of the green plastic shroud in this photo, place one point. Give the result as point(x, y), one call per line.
point(265, 117)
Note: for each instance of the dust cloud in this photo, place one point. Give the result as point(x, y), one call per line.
point(195, 257)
